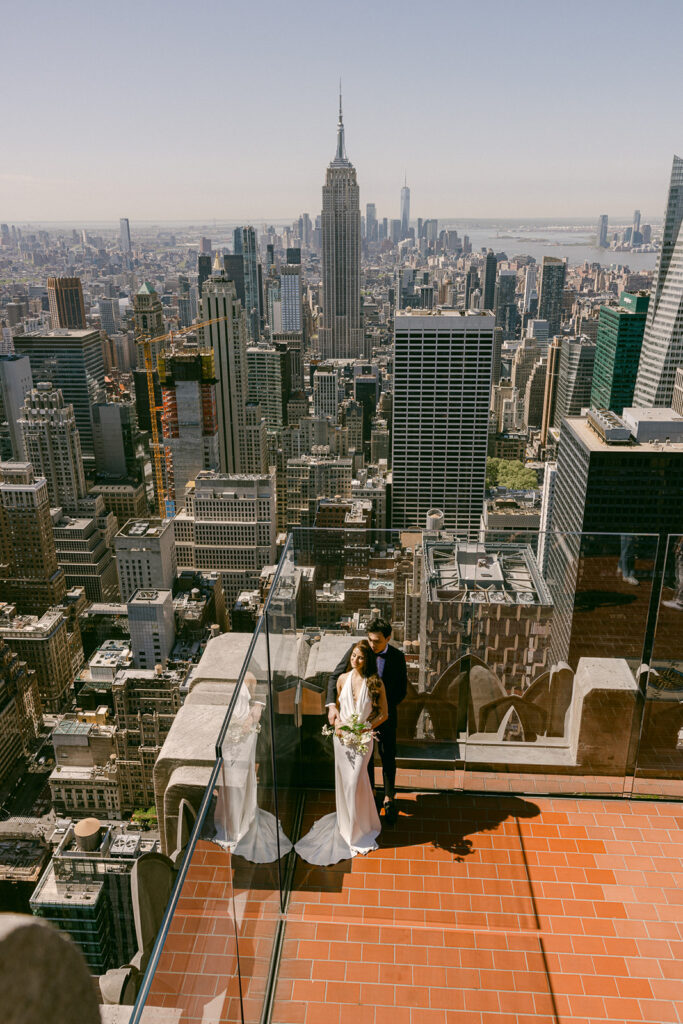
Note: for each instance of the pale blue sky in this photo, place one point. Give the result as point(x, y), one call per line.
point(227, 110)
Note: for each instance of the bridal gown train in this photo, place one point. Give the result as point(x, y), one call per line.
point(355, 825)
point(241, 825)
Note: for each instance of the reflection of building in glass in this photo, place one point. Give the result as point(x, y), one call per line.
point(615, 475)
point(485, 599)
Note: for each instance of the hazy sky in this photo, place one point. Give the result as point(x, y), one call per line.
point(495, 108)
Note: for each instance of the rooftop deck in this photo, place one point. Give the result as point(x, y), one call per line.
point(480, 909)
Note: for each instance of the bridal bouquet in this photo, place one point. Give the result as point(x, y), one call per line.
point(240, 730)
point(355, 734)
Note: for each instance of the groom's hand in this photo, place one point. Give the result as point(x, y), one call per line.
point(332, 714)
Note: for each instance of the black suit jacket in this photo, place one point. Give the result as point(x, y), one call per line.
point(394, 677)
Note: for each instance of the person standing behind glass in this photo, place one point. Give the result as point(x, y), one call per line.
point(677, 600)
point(392, 670)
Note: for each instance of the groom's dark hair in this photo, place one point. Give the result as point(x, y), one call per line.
point(379, 625)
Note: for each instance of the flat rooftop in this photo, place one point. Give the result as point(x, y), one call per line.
point(51, 891)
point(65, 333)
point(483, 573)
point(142, 528)
point(149, 597)
point(450, 314)
point(594, 443)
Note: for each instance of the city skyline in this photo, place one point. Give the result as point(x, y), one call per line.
point(508, 172)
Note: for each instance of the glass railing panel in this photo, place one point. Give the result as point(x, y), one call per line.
point(659, 766)
point(298, 691)
point(246, 824)
point(353, 575)
point(552, 638)
point(193, 971)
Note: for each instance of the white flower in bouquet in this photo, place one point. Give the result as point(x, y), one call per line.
point(355, 734)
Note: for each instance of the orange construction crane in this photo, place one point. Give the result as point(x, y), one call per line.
point(147, 341)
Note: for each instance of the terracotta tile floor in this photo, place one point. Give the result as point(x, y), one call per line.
point(480, 909)
point(493, 909)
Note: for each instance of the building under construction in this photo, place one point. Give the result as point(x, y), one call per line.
point(189, 421)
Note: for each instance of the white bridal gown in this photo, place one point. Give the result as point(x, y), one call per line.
point(241, 825)
point(355, 825)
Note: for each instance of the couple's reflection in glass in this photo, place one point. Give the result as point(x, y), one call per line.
point(243, 827)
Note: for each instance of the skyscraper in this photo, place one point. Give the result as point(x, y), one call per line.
point(442, 389)
point(662, 349)
point(152, 627)
point(613, 477)
point(602, 232)
point(270, 381)
point(203, 270)
point(21, 711)
point(228, 339)
point(341, 334)
point(246, 247)
point(290, 298)
point(228, 526)
point(65, 297)
point(371, 222)
point(575, 378)
point(53, 446)
point(505, 303)
point(124, 235)
point(71, 361)
point(109, 314)
point(145, 556)
point(189, 420)
point(471, 285)
point(148, 316)
point(617, 353)
point(553, 273)
point(405, 209)
point(550, 389)
point(15, 382)
point(29, 574)
point(488, 287)
point(530, 293)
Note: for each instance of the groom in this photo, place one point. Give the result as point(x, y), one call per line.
point(391, 668)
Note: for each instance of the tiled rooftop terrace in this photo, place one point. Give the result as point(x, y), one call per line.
point(484, 909)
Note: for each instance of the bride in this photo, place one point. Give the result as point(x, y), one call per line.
point(355, 825)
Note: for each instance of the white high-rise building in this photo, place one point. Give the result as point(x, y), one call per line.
point(145, 556)
point(53, 446)
point(405, 210)
point(662, 349)
point(530, 292)
point(326, 394)
point(291, 314)
point(228, 526)
point(341, 334)
point(124, 235)
point(152, 627)
point(109, 315)
point(442, 388)
point(228, 338)
point(15, 382)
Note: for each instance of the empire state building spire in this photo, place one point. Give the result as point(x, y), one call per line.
point(340, 158)
point(341, 334)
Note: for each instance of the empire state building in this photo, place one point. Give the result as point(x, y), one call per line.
point(341, 334)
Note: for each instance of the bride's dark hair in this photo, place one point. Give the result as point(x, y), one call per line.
point(370, 672)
